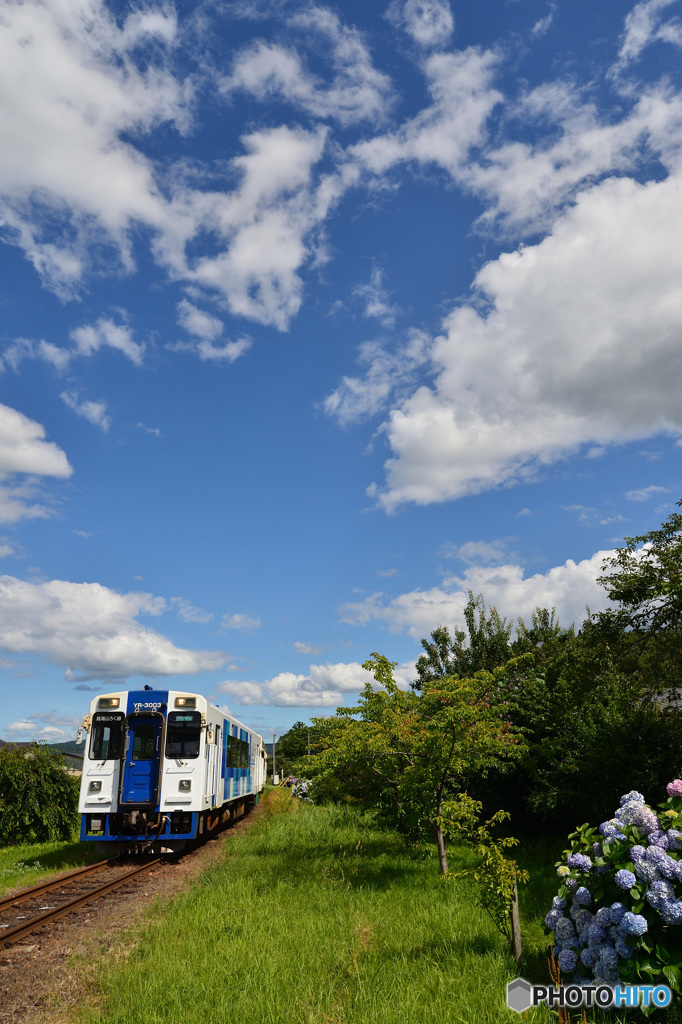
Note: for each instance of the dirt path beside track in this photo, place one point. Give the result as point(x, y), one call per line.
point(49, 975)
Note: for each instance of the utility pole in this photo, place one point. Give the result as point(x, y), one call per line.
point(274, 763)
point(308, 742)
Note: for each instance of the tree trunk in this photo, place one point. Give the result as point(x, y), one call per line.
point(442, 852)
point(516, 927)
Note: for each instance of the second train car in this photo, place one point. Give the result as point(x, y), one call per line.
point(163, 767)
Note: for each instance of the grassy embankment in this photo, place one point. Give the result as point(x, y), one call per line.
point(318, 916)
point(21, 866)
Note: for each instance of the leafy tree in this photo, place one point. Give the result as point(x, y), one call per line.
point(294, 745)
point(38, 798)
point(408, 753)
point(483, 647)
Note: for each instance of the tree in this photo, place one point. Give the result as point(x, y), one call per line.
point(38, 797)
point(294, 745)
point(408, 753)
point(483, 647)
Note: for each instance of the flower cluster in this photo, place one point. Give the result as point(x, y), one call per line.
point(619, 891)
point(302, 790)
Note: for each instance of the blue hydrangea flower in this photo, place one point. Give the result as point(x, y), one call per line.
point(564, 929)
point(671, 912)
point(558, 903)
point(583, 896)
point(646, 871)
point(603, 917)
point(567, 960)
point(637, 853)
point(658, 893)
point(587, 957)
point(633, 924)
point(624, 879)
point(674, 839)
point(622, 948)
point(611, 830)
point(617, 911)
point(596, 849)
point(634, 796)
point(552, 918)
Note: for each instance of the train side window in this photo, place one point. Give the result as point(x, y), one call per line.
point(106, 742)
point(183, 735)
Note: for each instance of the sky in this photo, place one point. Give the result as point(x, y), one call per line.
point(314, 318)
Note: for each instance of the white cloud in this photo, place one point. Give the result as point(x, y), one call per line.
point(376, 299)
point(24, 450)
point(91, 630)
point(189, 612)
point(477, 551)
point(358, 92)
point(578, 344)
point(388, 374)
point(323, 686)
point(197, 322)
point(90, 338)
point(245, 623)
point(643, 27)
point(93, 412)
point(644, 493)
point(303, 648)
point(429, 22)
point(444, 133)
point(45, 725)
point(568, 588)
point(72, 88)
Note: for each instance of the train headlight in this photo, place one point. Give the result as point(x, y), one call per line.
point(185, 785)
point(95, 786)
point(185, 702)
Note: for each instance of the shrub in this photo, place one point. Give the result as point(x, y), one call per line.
point(618, 912)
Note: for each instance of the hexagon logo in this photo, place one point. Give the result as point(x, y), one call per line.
point(518, 995)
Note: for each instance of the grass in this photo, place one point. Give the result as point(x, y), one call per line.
point(317, 916)
point(22, 866)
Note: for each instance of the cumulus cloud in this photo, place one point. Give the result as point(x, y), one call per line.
point(93, 412)
point(91, 631)
point(324, 686)
point(569, 588)
point(575, 342)
point(24, 451)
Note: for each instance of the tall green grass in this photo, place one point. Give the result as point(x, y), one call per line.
point(319, 916)
point(21, 866)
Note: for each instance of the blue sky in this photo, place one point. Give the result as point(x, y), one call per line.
point(315, 318)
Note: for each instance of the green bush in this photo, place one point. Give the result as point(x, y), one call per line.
point(38, 797)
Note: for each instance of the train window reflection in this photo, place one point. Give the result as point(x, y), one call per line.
point(144, 741)
point(106, 742)
point(184, 734)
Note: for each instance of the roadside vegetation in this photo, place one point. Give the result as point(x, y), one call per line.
point(317, 914)
point(30, 863)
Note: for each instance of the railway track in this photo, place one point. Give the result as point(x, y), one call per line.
point(48, 901)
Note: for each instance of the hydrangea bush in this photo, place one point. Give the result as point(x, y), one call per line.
point(618, 912)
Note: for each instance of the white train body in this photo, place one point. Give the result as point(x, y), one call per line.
point(163, 767)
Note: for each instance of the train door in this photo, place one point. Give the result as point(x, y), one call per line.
point(142, 760)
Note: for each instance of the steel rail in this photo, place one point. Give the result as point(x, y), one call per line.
point(52, 883)
point(12, 934)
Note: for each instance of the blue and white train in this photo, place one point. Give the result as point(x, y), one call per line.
point(162, 767)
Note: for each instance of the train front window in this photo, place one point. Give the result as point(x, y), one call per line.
point(144, 741)
point(184, 734)
point(106, 742)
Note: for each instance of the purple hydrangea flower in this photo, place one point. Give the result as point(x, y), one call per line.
point(611, 830)
point(567, 960)
point(658, 839)
point(596, 849)
point(674, 788)
point(580, 861)
point(674, 839)
point(645, 820)
point(637, 853)
point(583, 896)
point(624, 879)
